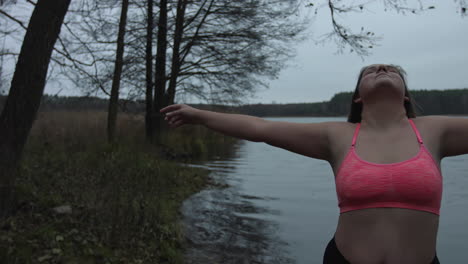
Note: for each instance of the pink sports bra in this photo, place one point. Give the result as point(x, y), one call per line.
point(415, 183)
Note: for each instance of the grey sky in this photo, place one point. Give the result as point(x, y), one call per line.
point(431, 46)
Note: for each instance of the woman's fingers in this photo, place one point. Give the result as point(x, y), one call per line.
point(169, 108)
point(177, 124)
point(174, 119)
point(173, 113)
point(177, 115)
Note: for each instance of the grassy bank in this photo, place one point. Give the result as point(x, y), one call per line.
point(80, 200)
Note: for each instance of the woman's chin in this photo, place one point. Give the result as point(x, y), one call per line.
point(385, 82)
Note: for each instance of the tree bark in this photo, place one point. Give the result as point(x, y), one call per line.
point(160, 75)
point(114, 97)
point(27, 88)
point(149, 72)
point(175, 68)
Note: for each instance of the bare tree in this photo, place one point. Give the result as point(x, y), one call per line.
point(114, 98)
point(160, 71)
point(363, 40)
point(7, 2)
point(149, 71)
point(233, 47)
point(176, 60)
point(222, 49)
point(26, 91)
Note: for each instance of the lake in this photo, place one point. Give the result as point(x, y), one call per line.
point(281, 207)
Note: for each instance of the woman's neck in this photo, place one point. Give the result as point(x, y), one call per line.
point(383, 115)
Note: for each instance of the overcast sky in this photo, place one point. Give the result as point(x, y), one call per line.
point(432, 47)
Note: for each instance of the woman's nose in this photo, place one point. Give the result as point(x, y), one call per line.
point(382, 67)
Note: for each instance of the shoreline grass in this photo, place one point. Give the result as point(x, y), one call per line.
point(124, 198)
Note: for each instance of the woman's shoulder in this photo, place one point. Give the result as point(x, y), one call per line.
point(431, 128)
point(430, 122)
point(431, 118)
point(440, 123)
point(340, 125)
point(341, 130)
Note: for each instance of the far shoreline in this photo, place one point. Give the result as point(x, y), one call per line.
point(458, 115)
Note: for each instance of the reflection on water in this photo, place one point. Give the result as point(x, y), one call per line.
point(225, 226)
point(282, 208)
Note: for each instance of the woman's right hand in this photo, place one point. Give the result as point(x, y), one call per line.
point(308, 139)
point(180, 114)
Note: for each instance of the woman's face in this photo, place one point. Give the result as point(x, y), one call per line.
point(382, 79)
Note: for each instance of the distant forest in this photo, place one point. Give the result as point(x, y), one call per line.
point(428, 102)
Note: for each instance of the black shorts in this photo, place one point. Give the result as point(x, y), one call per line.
point(333, 255)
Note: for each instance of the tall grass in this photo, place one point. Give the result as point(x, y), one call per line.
point(124, 197)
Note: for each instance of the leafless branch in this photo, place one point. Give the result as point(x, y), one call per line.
point(14, 19)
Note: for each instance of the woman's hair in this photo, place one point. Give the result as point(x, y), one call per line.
point(356, 108)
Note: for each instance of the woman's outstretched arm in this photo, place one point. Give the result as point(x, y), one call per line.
point(454, 136)
point(311, 140)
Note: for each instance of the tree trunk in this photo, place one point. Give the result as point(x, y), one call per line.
point(160, 75)
point(27, 87)
point(149, 72)
point(175, 68)
point(114, 97)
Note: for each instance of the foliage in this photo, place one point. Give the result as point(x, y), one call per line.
point(427, 102)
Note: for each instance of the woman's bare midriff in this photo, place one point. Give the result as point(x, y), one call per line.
point(387, 236)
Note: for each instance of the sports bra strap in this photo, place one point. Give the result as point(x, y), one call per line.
point(416, 131)
point(356, 132)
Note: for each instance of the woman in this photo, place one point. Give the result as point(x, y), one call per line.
point(386, 164)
